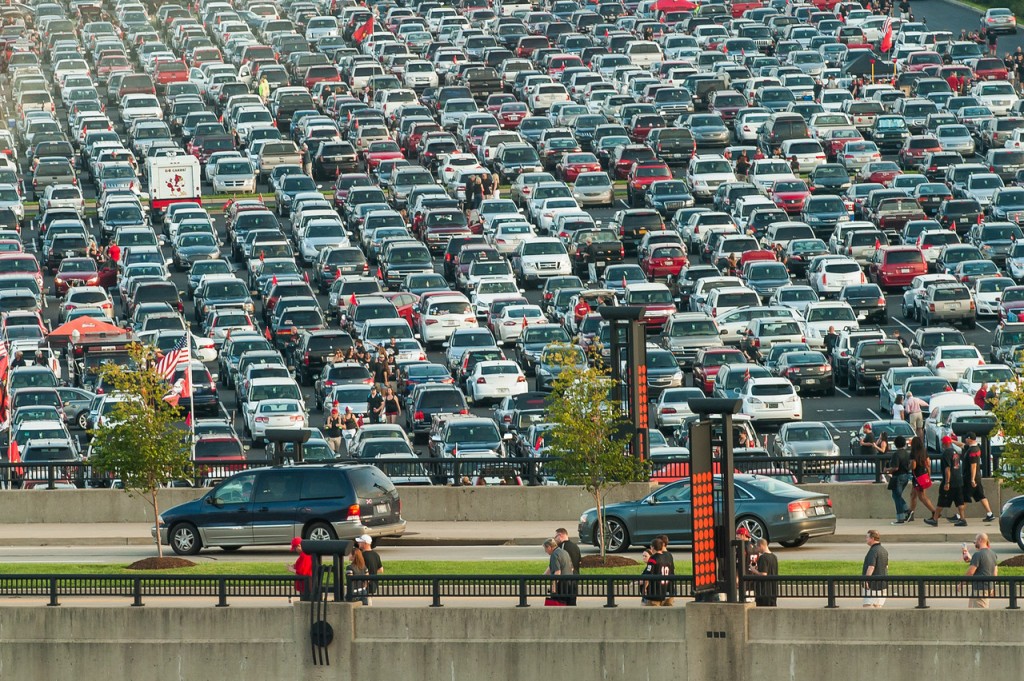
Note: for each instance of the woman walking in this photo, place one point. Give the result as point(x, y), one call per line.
point(921, 477)
point(392, 409)
point(357, 568)
point(899, 471)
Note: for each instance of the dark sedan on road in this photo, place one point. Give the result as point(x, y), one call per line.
point(768, 508)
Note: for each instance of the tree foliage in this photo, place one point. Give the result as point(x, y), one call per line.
point(142, 442)
point(590, 438)
point(1009, 413)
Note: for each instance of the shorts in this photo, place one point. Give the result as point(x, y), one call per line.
point(974, 493)
point(875, 599)
point(916, 420)
point(979, 599)
point(954, 497)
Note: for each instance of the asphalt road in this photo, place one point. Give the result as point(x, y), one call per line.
point(844, 406)
point(812, 551)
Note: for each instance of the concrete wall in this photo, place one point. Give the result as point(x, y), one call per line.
point(699, 642)
point(422, 504)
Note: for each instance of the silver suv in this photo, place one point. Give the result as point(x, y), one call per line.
point(686, 333)
point(950, 303)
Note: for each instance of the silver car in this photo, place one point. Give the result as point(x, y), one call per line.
point(594, 189)
point(955, 137)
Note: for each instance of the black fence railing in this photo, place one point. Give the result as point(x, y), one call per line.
point(470, 470)
point(609, 590)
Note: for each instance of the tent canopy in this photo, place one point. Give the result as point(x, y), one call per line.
point(87, 327)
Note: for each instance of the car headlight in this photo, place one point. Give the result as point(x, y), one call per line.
point(1005, 507)
point(584, 517)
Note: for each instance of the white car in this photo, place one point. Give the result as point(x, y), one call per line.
point(489, 289)
point(419, 74)
point(938, 423)
point(546, 94)
point(449, 165)
point(724, 300)
point(771, 399)
point(134, 107)
point(765, 172)
point(93, 297)
point(703, 288)
point(495, 380)
point(734, 323)
point(747, 124)
point(276, 414)
point(706, 172)
point(835, 274)
point(442, 315)
point(998, 377)
point(549, 209)
point(508, 235)
point(918, 289)
point(952, 361)
point(514, 319)
point(319, 234)
point(987, 292)
point(820, 316)
point(795, 296)
point(997, 95)
point(539, 259)
point(672, 407)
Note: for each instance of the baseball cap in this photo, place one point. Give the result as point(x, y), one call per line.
point(364, 539)
point(947, 440)
point(296, 543)
point(742, 531)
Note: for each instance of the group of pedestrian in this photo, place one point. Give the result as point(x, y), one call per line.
point(478, 188)
point(1014, 64)
point(363, 561)
point(564, 560)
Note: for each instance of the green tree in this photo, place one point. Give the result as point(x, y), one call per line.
point(143, 444)
point(590, 438)
point(1009, 413)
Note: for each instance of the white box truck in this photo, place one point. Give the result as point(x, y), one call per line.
point(173, 179)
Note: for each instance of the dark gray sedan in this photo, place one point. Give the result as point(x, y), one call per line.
point(768, 508)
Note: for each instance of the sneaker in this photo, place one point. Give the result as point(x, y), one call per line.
point(897, 522)
point(989, 518)
point(954, 518)
point(960, 523)
point(931, 521)
point(910, 517)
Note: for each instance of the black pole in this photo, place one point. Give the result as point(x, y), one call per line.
point(729, 508)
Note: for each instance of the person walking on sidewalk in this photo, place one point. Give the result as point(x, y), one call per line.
point(876, 564)
point(570, 547)
point(952, 491)
point(766, 594)
point(303, 568)
point(921, 480)
point(973, 489)
point(559, 564)
point(984, 563)
point(374, 565)
point(899, 477)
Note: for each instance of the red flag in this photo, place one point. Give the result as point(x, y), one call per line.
point(746, 375)
point(886, 36)
point(363, 31)
point(623, 281)
point(14, 456)
point(352, 299)
point(980, 219)
point(274, 280)
point(952, 226)
point(266, 333)
point(878, 244)
point(188, 419)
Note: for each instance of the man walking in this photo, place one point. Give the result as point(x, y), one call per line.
point(374, 565)
point(570, 547)
point(914, 407)
point(766, 594)
point(876, 564)
point(984, 563)
point(973, 490)
point(658, 592)
point(559, 565)
point(952, 491)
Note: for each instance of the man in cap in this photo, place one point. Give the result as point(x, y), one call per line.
point(952, 490)
point(303, 567)
point(973, 490)
point(374, 565)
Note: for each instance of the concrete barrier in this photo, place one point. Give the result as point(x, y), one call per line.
point(698, 642)
point(427, 504)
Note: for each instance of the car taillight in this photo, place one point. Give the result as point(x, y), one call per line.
point(418, 416)
point(931, 307)
point(353, 513)
point(799, 508)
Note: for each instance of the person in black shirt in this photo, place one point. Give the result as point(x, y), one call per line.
point(952, 490)
point(831, 339)
point(375, 403)
point(973, 490)
point(374, 565)
point(570, 547)
point(766, 594)
point(899, 469)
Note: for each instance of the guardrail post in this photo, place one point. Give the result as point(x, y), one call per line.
point(222, 592)
point(831, 588)
point(339, 580)
point(137, 592)
point(799, 472)
point(50, 478)
point(610, 593)
point(53, 592)
point(1013, 595)
point(922, 598)
point(523, 602)
point(435, 593)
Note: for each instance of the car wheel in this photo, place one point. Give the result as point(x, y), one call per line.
point(1018, 533)
point(754, 526)
point(185, 539)
point(320, 532)
point(799, 541)
point(616, 535)
point(83, 420)
point(230, 549)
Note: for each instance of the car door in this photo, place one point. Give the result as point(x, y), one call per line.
point(274, 504)
point(227, 513)
point(667, 511)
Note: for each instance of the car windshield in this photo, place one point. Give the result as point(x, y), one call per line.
point(808, 434)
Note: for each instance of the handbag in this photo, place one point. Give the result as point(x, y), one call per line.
point(892, 483)
point(553, 601)
point(923, 481)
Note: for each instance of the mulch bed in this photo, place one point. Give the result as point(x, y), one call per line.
point(165, 563)
point(1016, 561)
point(609, 562)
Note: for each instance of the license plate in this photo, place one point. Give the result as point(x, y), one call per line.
point(668, 262)
point(501, 391)
point(811, 381)
point(601, 263)
point(451, 323)
point(772, 405)
point(380, 509)
point(904, 270)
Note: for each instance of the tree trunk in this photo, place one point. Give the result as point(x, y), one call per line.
point(156, 524)
point(600, 523)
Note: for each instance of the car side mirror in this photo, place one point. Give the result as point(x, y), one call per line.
point(212, 501)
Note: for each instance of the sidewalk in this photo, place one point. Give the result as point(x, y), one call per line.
point(472, 533)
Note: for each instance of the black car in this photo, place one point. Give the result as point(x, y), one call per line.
point(808, 370)
point(313, 502)
point(313, 349)
point(963, 212)
point(333, 158)
point(429, 400)
point(667, 196)
point(889, 132)
point(867, 301)
point(204, 390)
point(829, 178)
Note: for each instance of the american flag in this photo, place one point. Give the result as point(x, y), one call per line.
point(181, 352)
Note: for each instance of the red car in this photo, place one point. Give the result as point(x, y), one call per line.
point(75, 272)
point(170, 72)
point(510, 115)
point(571, 165)
point(663, 262)
point(641, 176)
point(835, 139)
point(708, 363)
point(495, 102)
point(914, 149)
point(917, 61)
point(561, 62)
point(882, 172)
point(790, 195)
point(990, 68)
point(405, 302)
point(385, 150)
point(320, 74)
point(898, 267)
point(643, 124)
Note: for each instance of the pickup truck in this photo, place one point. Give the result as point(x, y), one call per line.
point(870, 361)
point(482, 82)
point(275, 154)
point(605, 249)
point(863, 113)
point(896, 212)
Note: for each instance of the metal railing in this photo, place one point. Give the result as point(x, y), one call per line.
point(608, 589)
point(469, 470)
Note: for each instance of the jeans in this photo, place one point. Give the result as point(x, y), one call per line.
point(902, 509)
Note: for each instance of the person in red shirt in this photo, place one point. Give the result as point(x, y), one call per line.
point(302, 568)
point(582, 309)
point(981, 397)
point(115, 252)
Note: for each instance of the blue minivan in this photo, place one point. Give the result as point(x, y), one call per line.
point(268, 506)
